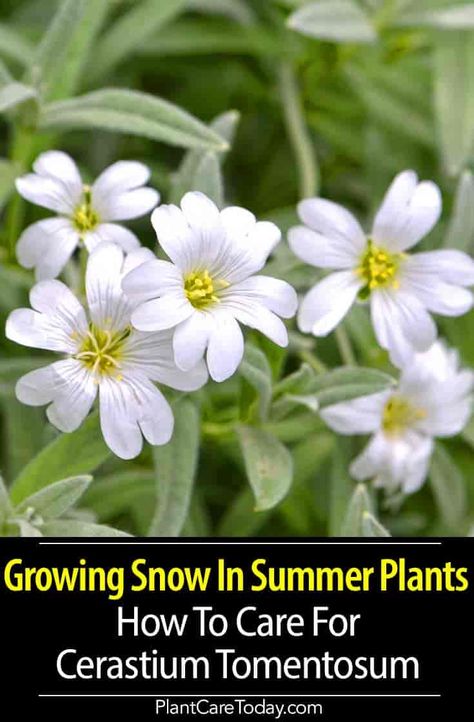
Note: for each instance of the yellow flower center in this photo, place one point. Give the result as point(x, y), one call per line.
point(101, 351)
point(85, 218)
point(200, 289)
point(378, 268)
point(399, 415)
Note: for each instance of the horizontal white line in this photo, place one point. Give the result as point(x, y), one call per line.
point(239, 695)
point(242, 543)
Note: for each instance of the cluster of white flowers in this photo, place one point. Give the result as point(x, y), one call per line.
point(173, 321)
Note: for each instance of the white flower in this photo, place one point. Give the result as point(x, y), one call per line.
point(433, 399)
point(401, 288)
point(104, 356)
point(85, 213)
point(209, 286)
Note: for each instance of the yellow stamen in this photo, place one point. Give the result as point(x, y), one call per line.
point(101, 351)
point(379, 269)
point(201, 289)
point(85, 218)
point(399, 415)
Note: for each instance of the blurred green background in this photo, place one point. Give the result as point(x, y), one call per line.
point(332, 97)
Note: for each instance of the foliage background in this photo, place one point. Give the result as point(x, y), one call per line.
point(367, 89)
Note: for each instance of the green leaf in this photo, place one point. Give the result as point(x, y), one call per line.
point(257, 372)
point(113, 495)
point(371, 527)
point(343, 384)
point(240, 518)
point(236, 9)
point(12, 368)
point(8, 173)
point(299, 382)
point(5, 76)
point(359, 505)
point(175, 468)
point(26, 529)
point(14, 94)
point(5, 505)
point(268, 464)
point(131, 112)
point(198, 172)
point(454, 98)
point(57, 498)
point(73, 528)
point(130, 31)
point(67, 77)
point(22, 434)
point(338, 20)
point(341, 487)
point(458, 17)
point(449, 489)
point(73, 454)
point(14, 46)
point(460, 233)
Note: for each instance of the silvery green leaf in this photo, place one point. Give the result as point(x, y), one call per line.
point(114, 494)
point(14, 94)
point(130, 31)
point(57, 498)
point(200, 170)
point(5, 505)
point(235, 9)
point(5, 76)
point(240, 519)
point(77, 453)
point(359, 505)
point(373, 528)
point(26, 529)
point(458, 17)
point(131, 112)
point(14, 46)
point(298, 382)
point(175, 469)
point(461, 228)
point(338, 20)
point(73, 528)
point(449, 489)
point(256, 371)
point(66, 78)
point(268, 464)
point(454, 98)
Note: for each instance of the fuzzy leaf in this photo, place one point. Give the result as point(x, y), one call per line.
point(256, 370)
point(460, 233)
point(341, 487)
point(131, 30)
point(458, 17)
point(175, 468)
point(268, 464)
point(373, 528)
point(5, 505)
point(8, 173)
point(14, 46)
point(449, 489)
point(57, 498)
point(338, 20)
point(14, 94)
point(73, 528)
point(359, 505)
point(73, 454)
point(131, 112)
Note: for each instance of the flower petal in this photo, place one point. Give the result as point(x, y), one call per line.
point(111, 233)
point(126, 205)
point(276, 295)
point(190, 339)
point(74, 393)
point(255, 315)
point(161, 313)
point(408, 213)
point(47, 245)
point(448, 265)
point(175, 235)
point(328, 302)
point(153, 278)
point(136, 258)
point(200, 212)
point(359, 416)
point(237, 222)
point(438, 296)
point(37, 387)
point(47, 192)
point(60, 166)
point(333, 221)
point(108, 306)
point(226, 347)
point(318, 250)
point(401, 324)
point(119, 177)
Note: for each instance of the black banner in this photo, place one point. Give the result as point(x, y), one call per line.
point(236, 629)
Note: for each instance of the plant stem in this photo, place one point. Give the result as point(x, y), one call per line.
point(299, 137)
point(345, 347)
point(22, 144)
point(313, 361)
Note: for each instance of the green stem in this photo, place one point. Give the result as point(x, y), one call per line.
point(299, 137)
point(345, 347)
point(313, 361)
point(22, 144)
